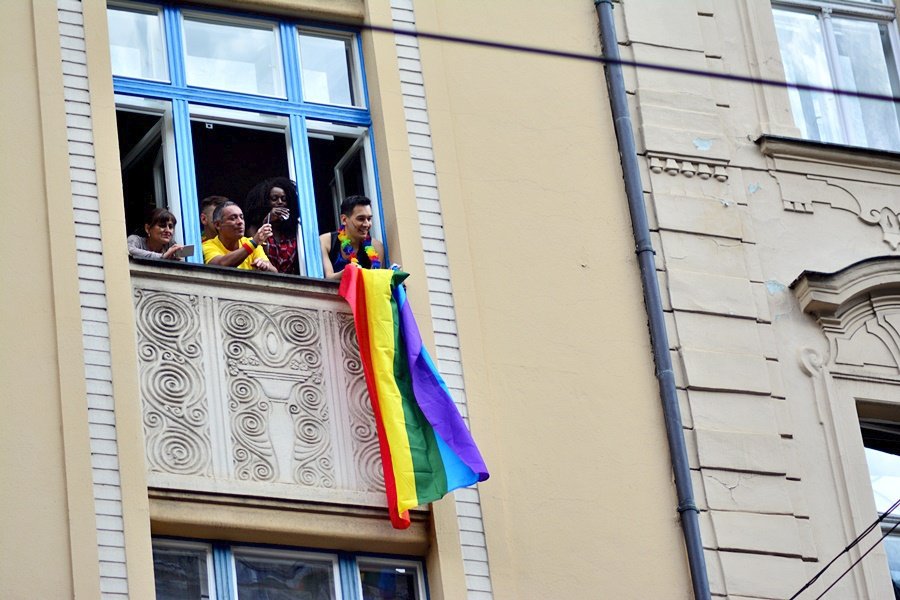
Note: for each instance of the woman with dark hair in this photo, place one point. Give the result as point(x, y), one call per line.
point(274, 201)
point(157, 243)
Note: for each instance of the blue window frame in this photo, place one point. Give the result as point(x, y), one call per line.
point(195, 570)
point(210, 102)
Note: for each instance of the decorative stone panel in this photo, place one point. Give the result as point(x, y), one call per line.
point(252, 384)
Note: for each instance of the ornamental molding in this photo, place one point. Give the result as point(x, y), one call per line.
point(875, 204)
point(251, 387)
point(700, 167)
point(858, 310)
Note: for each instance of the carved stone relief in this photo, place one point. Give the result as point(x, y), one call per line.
point(864, 339)
point(688, 167)
point(873, 203)
point(253, 390)
point(362, 423)
point(279, 417)
point(175, 413)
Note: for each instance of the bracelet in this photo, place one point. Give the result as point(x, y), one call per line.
point(247, 247)
point(253, 243)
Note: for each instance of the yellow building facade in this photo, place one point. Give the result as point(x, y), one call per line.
point(482, 186)
point(177, 431)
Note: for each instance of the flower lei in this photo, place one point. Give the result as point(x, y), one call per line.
point(348, 249)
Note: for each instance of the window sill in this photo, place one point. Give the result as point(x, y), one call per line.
point(231, 277)
point(835, 154)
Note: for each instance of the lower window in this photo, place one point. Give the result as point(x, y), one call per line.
point(188, 570)
point(881, 440)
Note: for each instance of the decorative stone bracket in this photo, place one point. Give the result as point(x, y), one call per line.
point(701, 168)
point(871, 202)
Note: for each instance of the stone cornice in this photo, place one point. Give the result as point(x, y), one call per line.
point(822, 294)
point(837, 154)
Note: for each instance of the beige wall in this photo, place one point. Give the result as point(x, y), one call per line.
point(557, 363)
point(552, 327)
point(774, 435)
point(49, 541)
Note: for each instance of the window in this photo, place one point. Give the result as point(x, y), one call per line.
point(189, 570)
point(882, 444)
point(850, 45)
point(213, 102)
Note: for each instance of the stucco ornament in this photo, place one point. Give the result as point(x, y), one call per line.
point(243, 395)
point(872, 202)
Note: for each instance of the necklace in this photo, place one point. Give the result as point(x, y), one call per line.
point(349, 251)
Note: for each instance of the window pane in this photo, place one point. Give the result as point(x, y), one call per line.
point(884, 472)
point(181, 574)
point(236, 58)
point(866, 64)
point(283, 578)
point(325, 67)
point(136, 45)
point(388, 583)
point(803, 54)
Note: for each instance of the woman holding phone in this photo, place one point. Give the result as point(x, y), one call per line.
point(274, 201)
point(159, 228)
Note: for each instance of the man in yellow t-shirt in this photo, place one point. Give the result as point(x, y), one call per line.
point(230, 248)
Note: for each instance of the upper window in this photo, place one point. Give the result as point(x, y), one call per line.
point(211, 103)
point(188, 570)
point(849, 45)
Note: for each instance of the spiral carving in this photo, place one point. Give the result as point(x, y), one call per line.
point(177, 450)
point(175, 414)
point(253, 456)
point(300, 327)
point(239, 320)
point(274, 344)
point(313, 447)
point(349, 344)
point(363, 433)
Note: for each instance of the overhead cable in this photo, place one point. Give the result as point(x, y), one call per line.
point(856, 541)
point(456, 39)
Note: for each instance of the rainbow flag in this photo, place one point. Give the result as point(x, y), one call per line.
point(426, 449)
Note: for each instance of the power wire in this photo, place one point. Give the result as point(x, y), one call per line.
point(856, 541)
point(456, 39)
point(694, 73)
point(858, 560)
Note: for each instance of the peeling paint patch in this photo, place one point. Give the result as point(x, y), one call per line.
point(752, 188)
point(775, 287)
point(702, 143)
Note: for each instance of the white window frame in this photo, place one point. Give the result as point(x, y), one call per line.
point(824, 10)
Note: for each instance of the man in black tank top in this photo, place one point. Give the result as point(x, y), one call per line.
point(353, 243)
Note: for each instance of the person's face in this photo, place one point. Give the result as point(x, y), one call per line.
point(358, 223)
point(160, 234)
point(277, 198)
point(231, 224)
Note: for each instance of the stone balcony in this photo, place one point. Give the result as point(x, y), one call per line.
point(251, 385)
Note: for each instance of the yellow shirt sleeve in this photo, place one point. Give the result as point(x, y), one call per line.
point(213, 248)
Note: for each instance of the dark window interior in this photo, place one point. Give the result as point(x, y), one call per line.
point(324, 156)
point(143, 176)
point(230, 160)
point(880, 435)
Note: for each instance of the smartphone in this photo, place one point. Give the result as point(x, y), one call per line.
point(184, 251)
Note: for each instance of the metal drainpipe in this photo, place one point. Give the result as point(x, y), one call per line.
point(659, 339)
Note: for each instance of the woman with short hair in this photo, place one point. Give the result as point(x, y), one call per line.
point(159, 229)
